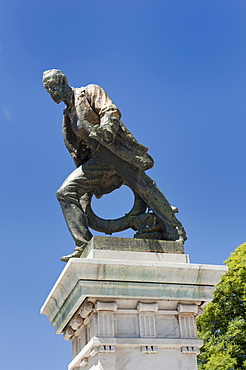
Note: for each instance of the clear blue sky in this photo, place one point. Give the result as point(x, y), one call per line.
point(176, 70)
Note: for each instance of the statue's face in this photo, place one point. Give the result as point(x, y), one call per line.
point(54, 87)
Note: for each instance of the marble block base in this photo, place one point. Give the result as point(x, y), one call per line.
point(117, 307)
point(130, 249)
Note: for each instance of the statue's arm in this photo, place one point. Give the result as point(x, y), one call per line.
point(107, 111)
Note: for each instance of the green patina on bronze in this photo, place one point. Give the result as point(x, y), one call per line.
point(107, 156)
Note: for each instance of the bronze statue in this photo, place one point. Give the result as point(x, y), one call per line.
point(106, 155)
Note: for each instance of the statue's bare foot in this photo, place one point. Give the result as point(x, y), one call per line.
point(76, 254)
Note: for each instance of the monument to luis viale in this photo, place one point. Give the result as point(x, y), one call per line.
point(120, 299)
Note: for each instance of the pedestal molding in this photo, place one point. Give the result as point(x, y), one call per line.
point(109, 289)
point(116, 270)
point(186, 346)
point(199, 279)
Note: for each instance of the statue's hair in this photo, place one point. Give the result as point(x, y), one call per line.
point(57, 75)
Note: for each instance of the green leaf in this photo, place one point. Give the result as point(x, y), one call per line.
point(223, 323)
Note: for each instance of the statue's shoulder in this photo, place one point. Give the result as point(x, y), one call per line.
point(93, 88)
point(90, 89)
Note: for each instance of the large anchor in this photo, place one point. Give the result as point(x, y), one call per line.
point(145, 223)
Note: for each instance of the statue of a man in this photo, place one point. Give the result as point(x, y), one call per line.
point(106, 155)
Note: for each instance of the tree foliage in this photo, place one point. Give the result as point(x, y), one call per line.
point(223, 323)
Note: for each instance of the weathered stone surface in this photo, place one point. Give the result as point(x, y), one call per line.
point(116, 312)
point(85, 277)
point(133, 245)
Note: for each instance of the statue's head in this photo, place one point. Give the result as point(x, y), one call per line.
point(55, 82)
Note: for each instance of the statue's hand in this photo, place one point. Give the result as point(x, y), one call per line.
point(102, 134)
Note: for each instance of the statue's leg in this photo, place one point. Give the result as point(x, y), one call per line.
point(80, 182)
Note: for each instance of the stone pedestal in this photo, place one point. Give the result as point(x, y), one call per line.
point(127, 299)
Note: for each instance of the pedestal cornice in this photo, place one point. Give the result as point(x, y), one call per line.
point(92, 277)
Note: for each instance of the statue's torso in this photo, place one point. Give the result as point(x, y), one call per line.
point(82, 117)
point(82, 114)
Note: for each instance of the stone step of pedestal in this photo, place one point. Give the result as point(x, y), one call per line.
point(132, 245)
point(112, 248)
